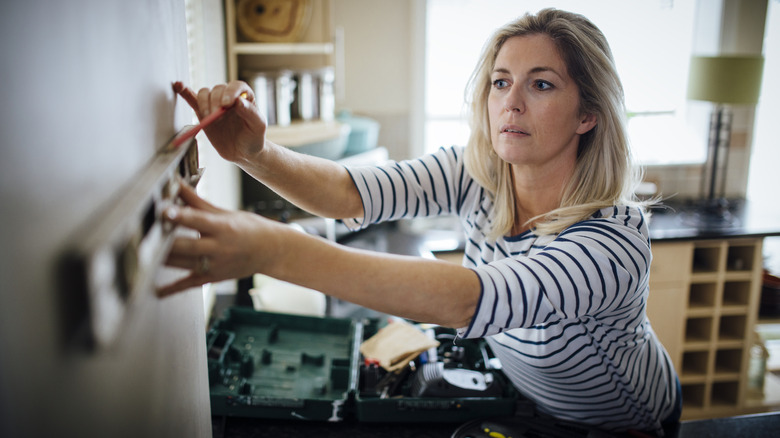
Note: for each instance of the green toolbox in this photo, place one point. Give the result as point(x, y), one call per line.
point(281, 366)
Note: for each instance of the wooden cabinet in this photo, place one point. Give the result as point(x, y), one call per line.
point(703, 304)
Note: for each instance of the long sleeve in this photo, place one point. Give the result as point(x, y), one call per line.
point(429, 186)
point(598, 267)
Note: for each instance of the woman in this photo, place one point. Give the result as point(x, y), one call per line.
point(555, 273)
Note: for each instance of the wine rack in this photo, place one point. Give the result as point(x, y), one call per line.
point(703, 304)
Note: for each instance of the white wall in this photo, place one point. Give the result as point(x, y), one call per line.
point(378, 66)
point(221, 183)
point(87, 89)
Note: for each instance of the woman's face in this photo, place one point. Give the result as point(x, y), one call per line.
point(534, 106)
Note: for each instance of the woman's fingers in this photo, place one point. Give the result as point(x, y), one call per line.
point(188, 282)
point(187, 94)
point(183, 261)
point(215, 98)
point(252, 116)
point(202, 221)
point(189, 247)
point(235, 90)
point(191, 255)
point(208, 99)
point(191, 198)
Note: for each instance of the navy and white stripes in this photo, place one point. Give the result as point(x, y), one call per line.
point(565, 314)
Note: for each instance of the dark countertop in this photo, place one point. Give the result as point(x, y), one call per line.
point(685, 221)
point(668, 222)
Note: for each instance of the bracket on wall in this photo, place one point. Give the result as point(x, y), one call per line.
point(118, 252)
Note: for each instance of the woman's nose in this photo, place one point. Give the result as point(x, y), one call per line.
point(514, 101)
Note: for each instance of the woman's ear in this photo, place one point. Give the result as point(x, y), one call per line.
point(587, 123)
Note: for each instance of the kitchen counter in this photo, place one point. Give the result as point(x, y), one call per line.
point(681, 221)
point(668, 222)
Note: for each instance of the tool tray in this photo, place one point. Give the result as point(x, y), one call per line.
point(271, 365)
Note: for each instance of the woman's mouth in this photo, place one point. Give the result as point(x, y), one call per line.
point(510, 129)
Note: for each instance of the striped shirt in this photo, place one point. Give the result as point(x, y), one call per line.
point(564, 313)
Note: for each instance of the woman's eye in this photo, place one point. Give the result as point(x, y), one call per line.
point(542, 85)
point(500, 83)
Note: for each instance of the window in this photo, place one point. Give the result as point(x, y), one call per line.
point(766, 154)
point(651, 41)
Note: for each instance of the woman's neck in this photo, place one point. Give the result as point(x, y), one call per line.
point(535, 194)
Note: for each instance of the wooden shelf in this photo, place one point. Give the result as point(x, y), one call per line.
point(283, 49)
point(704, 277)
point(709, 338)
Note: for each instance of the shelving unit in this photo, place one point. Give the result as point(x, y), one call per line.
point(317, 47)
point(703, 304)
point(283, 48)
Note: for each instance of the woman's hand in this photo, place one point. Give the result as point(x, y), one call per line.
point(230, 244)
point(319, 186)
point(239, 244)
point(239, 135)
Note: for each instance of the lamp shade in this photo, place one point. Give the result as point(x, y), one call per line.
point(725, 79)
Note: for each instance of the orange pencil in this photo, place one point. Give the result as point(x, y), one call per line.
point(202, 125)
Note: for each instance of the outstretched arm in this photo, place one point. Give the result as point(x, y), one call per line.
point(239, 244)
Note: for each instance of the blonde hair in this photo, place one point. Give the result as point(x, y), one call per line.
point(604, 174)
